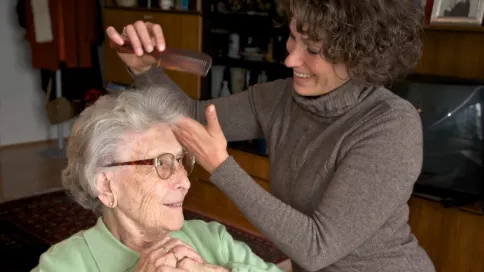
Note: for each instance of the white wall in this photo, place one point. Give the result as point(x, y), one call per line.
point(22, 116)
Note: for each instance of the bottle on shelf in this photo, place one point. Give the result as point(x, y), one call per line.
point(217, 74)
point(270, 47)
point(234, 46)
point(225, 91)
point(262, 77)
point(237, 79)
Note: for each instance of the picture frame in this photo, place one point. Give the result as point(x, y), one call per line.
point(457, 12)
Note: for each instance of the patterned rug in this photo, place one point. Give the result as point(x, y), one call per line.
point(33, 224)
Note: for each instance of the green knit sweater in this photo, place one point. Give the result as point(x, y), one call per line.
point(97, 250)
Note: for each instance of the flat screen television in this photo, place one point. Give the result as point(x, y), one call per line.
point(452, 118)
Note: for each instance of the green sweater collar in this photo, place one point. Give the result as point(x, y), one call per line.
point(109, 253)
point(112, 255)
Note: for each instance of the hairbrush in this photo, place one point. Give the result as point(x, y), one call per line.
point(175, 59)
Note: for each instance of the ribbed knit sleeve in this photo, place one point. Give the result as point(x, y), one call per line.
point(373, 179)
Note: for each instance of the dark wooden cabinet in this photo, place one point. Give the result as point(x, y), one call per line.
point(453, 52)
point(453, 237)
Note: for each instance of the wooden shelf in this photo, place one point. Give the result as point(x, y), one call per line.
point(194, 12)
point(453, 28)
point(249, 64)
point(253, 25)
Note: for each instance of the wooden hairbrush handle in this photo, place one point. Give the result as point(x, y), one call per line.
point(177, 59)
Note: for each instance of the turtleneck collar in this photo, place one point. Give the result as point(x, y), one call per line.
point(334, 103)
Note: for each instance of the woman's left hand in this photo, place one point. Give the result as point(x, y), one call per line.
point(207, 144)
point(192, 266)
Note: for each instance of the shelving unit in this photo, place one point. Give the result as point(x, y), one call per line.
point(217, 27)
point(256, 31)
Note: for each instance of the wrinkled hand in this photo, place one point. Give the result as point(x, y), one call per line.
point(164, 254)
point(144, 37)
point(207, 144)
point(192, 266)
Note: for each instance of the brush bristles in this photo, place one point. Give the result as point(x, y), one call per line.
point(184, 63)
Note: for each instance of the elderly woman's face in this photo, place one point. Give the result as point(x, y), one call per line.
point(143, 196)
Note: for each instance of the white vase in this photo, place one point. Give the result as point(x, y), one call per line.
point(217, 74)
point(225, 89)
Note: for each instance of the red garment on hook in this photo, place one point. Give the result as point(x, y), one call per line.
point(75, 27)
point(62, 44)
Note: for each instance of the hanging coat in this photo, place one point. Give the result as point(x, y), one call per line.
point(75, 26)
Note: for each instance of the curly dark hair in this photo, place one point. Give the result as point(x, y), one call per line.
point(378, 40)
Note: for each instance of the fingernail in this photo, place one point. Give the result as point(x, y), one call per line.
point(149, 48)
point(161, 47)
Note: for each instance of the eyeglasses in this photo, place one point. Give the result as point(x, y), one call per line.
point(164, 163)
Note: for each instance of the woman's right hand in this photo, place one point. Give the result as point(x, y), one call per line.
point(144, 37)
point(164, 254)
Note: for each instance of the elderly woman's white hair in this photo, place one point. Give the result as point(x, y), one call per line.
point(100, 128)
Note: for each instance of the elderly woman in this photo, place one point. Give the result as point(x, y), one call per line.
point(125, 163)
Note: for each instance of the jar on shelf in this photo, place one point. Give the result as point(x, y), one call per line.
point(167, 4)
point(125, 3)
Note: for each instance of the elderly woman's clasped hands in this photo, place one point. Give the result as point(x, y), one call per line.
point(169, 254)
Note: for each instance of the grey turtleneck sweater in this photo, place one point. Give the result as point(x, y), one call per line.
point(343, 166)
